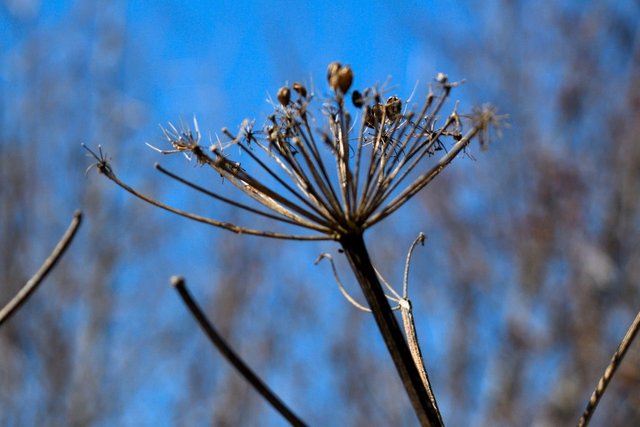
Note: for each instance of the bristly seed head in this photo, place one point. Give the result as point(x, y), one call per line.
point(326, 178)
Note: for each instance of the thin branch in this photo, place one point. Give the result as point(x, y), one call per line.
point(216, 339)
point(610, 371)
point(30, 287)
point(346, 294)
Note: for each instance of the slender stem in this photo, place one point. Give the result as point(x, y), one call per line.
point(235, 360)
point(616, 359)
point(30, 287)
point(416, 353)
point(108, 172)
point(356, 252)
point(231, 201)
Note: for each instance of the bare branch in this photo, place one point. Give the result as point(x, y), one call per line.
point(610, 371)
point(30, 287)
point(216, 339)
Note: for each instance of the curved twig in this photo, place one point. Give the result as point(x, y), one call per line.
point(410, 328)
point(346, 294)
point(179, 284)
point(30, 287)
point(616, 359)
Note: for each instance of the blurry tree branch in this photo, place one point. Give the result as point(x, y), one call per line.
point(613, 365)
point(32, 284)
point(216, 339)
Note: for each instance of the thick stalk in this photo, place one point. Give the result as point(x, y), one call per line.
point(356, 251)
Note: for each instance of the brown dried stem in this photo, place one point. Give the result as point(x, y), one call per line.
point(228, 353)
point(362, 267)
point(613, 365)
point(32, 284)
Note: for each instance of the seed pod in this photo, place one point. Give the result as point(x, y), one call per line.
point(302, 91)
point(393, 107)
point(343, 79)
point(284, 95)
point(332, 70)
point(357, 99)
point(374, 115)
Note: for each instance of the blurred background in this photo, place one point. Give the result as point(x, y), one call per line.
point(528, 280)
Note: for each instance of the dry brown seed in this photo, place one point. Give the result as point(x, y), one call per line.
point(393, 107)
point(332, 70)
point(357, 99)
point(344, 78)
point(302, 91)
point(284, 95)
point(374, 115)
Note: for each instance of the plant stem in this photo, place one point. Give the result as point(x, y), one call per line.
point(235, 360)
point(616, 359)
point(32, 285)
point(356, 252)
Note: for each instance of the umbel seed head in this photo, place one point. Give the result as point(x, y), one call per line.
point(284, 96)
point(361, 178)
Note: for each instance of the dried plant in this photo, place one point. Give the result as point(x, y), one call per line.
point(337, 179)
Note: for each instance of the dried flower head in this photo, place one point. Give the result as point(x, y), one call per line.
point(337, 178)
point(344, 178)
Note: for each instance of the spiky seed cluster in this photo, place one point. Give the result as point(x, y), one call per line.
point(339, 179)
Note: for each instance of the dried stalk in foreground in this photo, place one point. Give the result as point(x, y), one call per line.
point(30, 287)
point(333, 183)
point(404, 305)
point(616, 359)
point(219, 342)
